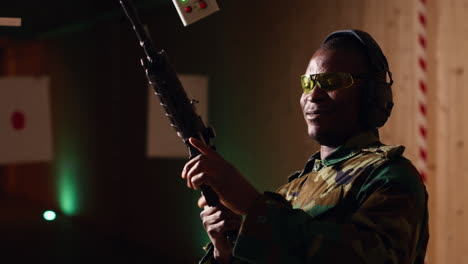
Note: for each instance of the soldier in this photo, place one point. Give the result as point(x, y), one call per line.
point(356, 200)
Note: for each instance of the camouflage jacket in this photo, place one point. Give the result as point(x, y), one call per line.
point(365, 203)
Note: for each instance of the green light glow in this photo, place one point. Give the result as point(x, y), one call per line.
point(49, 215)
point(67, 185)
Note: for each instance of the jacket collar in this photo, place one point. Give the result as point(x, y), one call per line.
point(343, 152)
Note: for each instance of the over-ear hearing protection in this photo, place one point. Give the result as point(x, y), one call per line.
point(377, 99)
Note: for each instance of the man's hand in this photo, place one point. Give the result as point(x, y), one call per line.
point(218, 221)
point(209, 168)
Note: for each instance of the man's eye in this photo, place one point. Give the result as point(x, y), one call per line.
point(332, 82)
point(329, 83)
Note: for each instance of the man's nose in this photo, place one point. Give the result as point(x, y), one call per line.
point(317, 94)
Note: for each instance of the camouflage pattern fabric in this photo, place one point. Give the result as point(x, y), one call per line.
point(365, 203)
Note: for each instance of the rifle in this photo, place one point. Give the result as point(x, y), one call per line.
point(172, 96)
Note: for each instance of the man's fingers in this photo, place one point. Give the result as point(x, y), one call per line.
point(197, 180)
point(202, 147)
point(194, 167)
point(197, 168)
point(202, 202)
point(220, 227)
point(219, 209)
point(220, 224)
point(189, 166)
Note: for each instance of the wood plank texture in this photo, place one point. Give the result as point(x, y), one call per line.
point(449, 179)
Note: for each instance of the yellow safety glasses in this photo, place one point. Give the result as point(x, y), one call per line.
point(329, 81)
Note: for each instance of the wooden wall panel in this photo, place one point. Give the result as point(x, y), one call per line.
point(391, 24)
point(450, 178)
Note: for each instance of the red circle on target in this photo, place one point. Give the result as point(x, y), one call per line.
point(18, 120)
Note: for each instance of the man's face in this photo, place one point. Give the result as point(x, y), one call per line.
point(333, 116)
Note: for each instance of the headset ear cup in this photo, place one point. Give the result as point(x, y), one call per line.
point(364, 104)
point(378, 103)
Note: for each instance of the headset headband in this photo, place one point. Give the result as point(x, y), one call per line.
point(377, 58)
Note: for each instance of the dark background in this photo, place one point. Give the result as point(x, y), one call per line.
point(114, 204)
point(118, 205)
